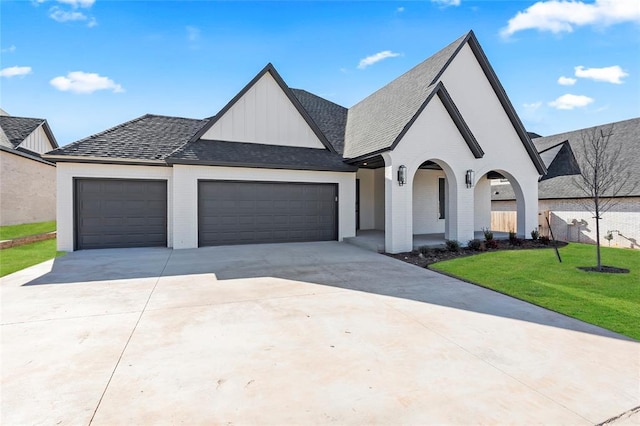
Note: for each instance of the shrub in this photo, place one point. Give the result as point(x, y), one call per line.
point(488, 235)
point(475, 245)
point(535, 234)
point(491, 244)
point(544, 240)
point(512, 236)
point(516, 241)
point(452, 245)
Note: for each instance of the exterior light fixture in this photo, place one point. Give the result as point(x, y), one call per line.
point(469, 177)
point(402, 175)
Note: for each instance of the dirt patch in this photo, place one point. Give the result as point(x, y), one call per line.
point(604, 269)
point(426, 256)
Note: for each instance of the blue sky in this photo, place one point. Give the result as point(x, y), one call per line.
point(87, 65)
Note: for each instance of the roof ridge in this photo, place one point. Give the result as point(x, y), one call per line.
point(320, 97)
point(613, 123)
point(24, 118)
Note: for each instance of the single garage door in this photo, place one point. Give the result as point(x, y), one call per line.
point(120, 213)
point(231, 212)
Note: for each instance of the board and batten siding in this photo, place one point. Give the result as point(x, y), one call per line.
point(37, 141)
point(264, 115)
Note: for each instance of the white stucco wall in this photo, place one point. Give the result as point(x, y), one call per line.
point(185, 204)
point(65, 205)
point(367, 198)
point(426, 202)
point(482, 197)
point(624, 217)
point(379, 188)
point(265, 115)
point(27, 190)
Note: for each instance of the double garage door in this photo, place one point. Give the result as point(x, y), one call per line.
point(133, 213)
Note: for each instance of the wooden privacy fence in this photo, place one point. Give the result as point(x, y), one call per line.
point(508, 221)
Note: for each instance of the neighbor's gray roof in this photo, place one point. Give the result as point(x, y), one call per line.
point(150, 137)
point(18, 128)
point(223, 153)
point(330, 117)
point(626, 134)
point(374, 123)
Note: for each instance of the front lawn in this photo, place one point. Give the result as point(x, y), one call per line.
point(16, 231)
point(611, 301)
point(16, 258)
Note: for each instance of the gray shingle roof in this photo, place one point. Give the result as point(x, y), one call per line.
point(18, 128)
point(330, 117)
point(150, 137)
point(626, 134)
point(223, 153)
point(375, 122)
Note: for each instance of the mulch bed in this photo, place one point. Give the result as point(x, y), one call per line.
point(604, 269)
point(426, 257)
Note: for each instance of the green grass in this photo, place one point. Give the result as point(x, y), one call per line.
point(611, 301)
point(16, 231)
point(16, 258)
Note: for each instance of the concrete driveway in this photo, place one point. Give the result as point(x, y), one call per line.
point(309, 333)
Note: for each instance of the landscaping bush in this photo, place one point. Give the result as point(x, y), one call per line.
point(475, 245)
point(516, 241)
point(488, 235)
point(544, 240)
point(491, 244)
point(452, 245)
point(512, 236)
point(535, 234)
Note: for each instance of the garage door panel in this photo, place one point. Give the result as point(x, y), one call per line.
point(265, 212)
point(120, 213)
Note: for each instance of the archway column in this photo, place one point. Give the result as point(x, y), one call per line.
point(398, 235)
point(528, 208)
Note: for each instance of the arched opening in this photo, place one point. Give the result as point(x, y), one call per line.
point(500, 204)
point(433, 204)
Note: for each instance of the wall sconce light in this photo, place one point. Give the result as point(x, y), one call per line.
point(402, 175)
point(469, 177)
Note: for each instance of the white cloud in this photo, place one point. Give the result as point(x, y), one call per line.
point(569, 101)
point(446, 3)
point(193, 33)
point(14, 71)
point(60, 15)
point(9, 49)
point(533, 106)
point(613, 74)
point(559, 16)
point(400, 9)
point(566, 81)
point(78, 3)
point(85, 83)
point(370, 60)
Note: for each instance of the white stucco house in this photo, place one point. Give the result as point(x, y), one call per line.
point(566, 206)
point(27, 181)
point(279, 164)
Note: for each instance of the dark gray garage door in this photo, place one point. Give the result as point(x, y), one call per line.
point(265, 212)
point(120, 213)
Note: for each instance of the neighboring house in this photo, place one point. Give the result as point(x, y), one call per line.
point(27, 182)
point(564, 204)
point(278, 164)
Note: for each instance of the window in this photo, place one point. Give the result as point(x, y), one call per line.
point(441, 199)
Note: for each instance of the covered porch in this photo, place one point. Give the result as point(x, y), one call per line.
point(374, 239)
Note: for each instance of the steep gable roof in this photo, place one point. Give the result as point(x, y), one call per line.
point(17, 129)
point(378, 122)
point(149, 138)
point(330, 117)
point(625, 136)
point(269, 68)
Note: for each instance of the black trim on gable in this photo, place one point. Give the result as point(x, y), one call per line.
point(502, 97)
point(269, 68)
point(49, 133)
point(455, 115)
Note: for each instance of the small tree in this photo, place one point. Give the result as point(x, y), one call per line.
point(604, 174)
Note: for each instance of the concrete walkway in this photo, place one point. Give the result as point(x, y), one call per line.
point(309, 333)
